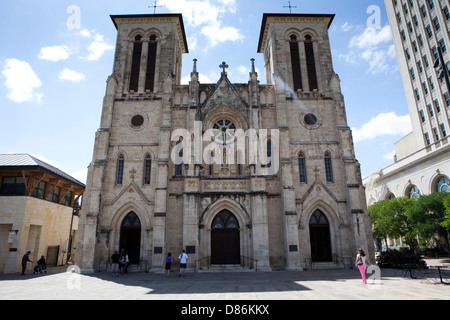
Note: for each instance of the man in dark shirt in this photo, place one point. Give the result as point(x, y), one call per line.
point(115, 258)
point(25, 259)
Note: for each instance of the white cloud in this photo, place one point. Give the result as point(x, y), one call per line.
point(98, 45)
point(371, 37)
point(346, 27)
point(21, 81)
point(71, 75)
point(373, 47)
point(216, 34)
point(55, 53)
point(206, 15)
point(383, 124)
point(202, 79)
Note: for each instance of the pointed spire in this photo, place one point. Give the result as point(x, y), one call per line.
point(194, 73)
point(253, 74)
point(195, 66)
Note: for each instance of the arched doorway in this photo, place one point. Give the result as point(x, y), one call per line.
point(130, 237)
point(319, 232)
point(225, 239)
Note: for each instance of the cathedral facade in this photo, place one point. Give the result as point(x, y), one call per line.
point(262, 176)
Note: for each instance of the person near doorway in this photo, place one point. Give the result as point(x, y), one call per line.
point(115, 261)
point(25, 259)
point(361, 263)
point(124, 261)
point(168, 263)
point(41, 266)
point(183, 262)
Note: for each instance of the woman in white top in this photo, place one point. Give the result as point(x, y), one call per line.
point(361, 263)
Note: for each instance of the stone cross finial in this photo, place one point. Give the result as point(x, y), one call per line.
point(223, 66)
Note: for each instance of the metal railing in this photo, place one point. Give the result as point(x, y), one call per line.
point(252, 263)
point(202, 263)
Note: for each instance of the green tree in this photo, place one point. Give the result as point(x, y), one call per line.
point(427, 215)
point(393, 219)
point(378, 232)
point(446, 222)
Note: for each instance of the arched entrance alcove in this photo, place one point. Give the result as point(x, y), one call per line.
point(320, 240)
point(225, 239)
point(217, 211)
point(130, 236)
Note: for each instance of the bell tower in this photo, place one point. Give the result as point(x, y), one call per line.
point(131, 149)
point(319, 172)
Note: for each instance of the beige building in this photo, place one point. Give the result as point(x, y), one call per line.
point(37, 204)
point(420, 29)
point(247, 174)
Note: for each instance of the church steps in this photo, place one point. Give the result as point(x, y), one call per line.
point(217, 268)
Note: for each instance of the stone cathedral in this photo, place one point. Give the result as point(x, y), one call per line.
point(250, 175)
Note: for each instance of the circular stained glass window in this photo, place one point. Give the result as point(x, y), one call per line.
point(310, 119)
point(224, 130)
point(137, 120)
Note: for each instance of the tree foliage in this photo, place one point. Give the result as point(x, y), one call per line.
point(416, 221)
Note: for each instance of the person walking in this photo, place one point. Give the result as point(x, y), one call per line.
point(183, 262)
point(25, 259)
point(361, 263)
point(168, 263)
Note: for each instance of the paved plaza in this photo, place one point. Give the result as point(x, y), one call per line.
point(342, 284)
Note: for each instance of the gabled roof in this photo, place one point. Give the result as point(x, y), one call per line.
point(26, 162)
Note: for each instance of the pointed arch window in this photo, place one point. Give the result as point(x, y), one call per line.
point(151, 64)
point(119, 172)
point(136, 63)
point(269, 155)
point(310, 63)
point(328, 167)
point(295, 60)
point(225, 220)
point(179, 158)
point(302, 167)
point(147, 169)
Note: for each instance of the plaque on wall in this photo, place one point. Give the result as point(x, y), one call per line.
point(190, 249)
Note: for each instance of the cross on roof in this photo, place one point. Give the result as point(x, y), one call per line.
point(154, 7)
point(223, 66)
point(290, 7)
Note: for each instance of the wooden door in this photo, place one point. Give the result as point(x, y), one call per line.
point(319, 231)
point(225, 239)
point(130, 237)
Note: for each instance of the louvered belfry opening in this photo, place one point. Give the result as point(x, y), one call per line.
point(136, 64)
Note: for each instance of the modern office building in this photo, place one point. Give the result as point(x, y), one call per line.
point(420, 30)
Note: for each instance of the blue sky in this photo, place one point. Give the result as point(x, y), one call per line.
point(56, 56)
